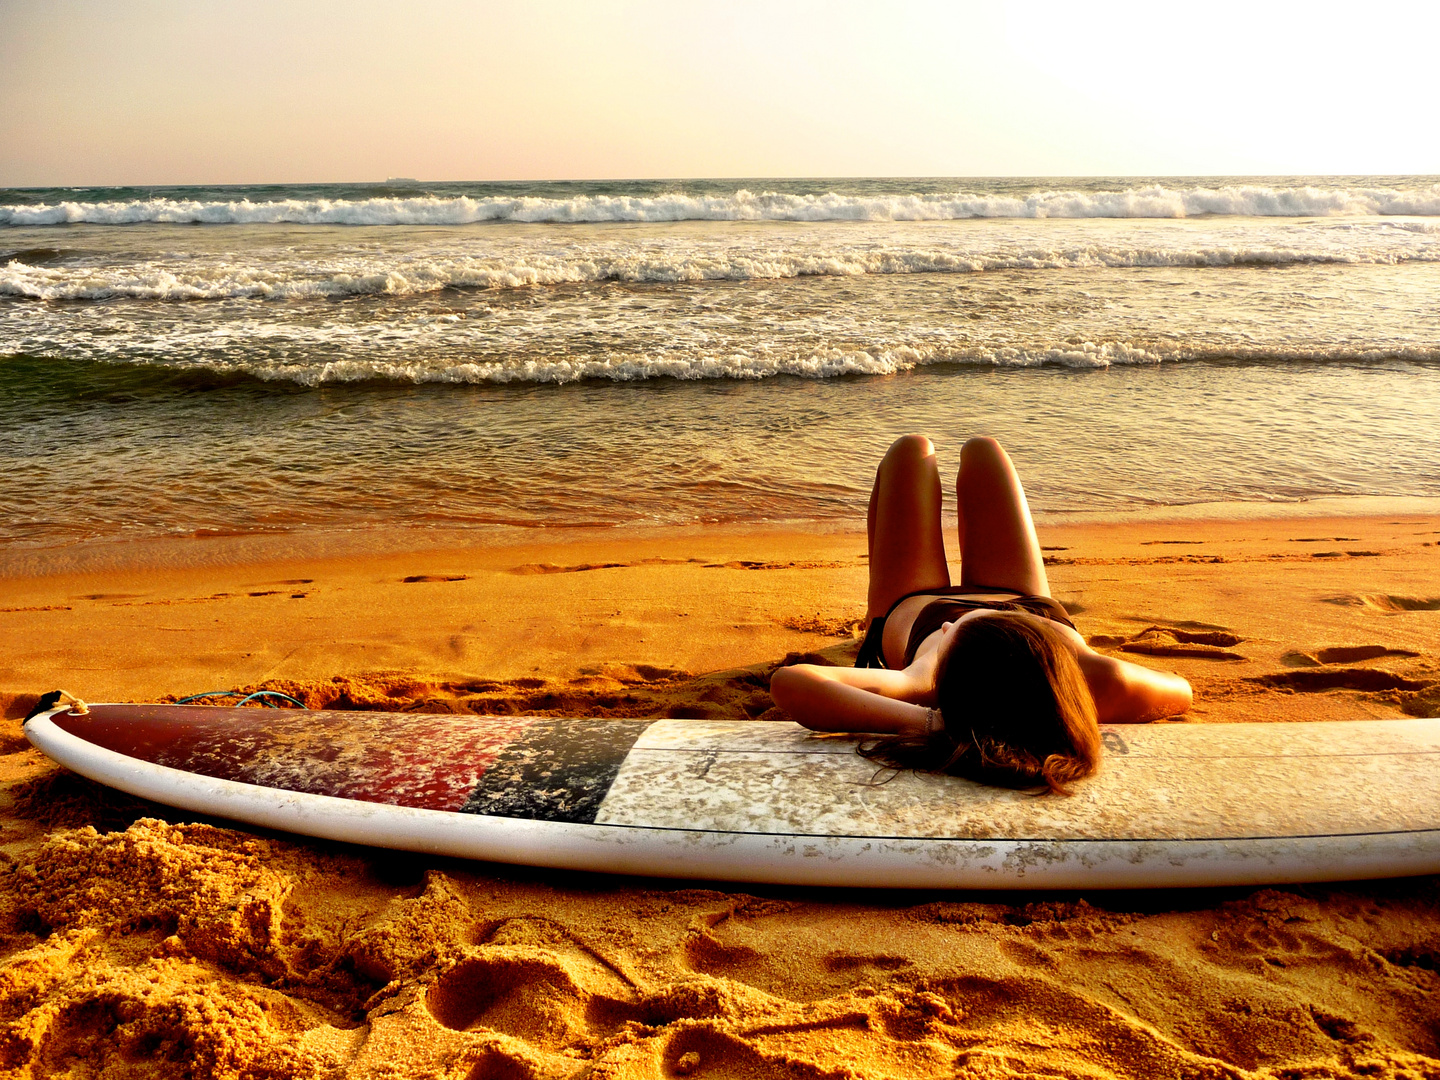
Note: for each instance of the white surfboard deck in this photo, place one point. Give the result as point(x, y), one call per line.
point(1173, 805)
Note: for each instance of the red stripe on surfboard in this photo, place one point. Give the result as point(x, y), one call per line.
point(430, 762)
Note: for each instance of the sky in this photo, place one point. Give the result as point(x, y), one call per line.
point(210, 91)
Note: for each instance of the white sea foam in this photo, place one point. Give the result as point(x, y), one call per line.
point(1153, 201)
point(381, 275)
point(749, 366)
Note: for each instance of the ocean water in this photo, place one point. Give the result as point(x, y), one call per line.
point(483, 356)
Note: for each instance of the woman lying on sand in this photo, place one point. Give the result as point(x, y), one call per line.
point(988, 679)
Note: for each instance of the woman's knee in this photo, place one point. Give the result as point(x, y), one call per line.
point(909, 449)
point(982, 447)
point(981, 459)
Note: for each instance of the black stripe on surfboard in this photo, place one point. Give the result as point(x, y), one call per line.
point(558, 770)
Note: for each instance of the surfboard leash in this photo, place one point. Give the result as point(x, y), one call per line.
point(58, 697)
point(263, 696)
point(78, 708)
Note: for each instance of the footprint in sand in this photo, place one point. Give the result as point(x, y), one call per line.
point(79, 1031)
point(1354, 654)
point(1173, 641)
point(1390, 605)
point(533, 979)
point(495, 1064)
point(530, 569)
point(1070, 1019)
point(747, 944)
point(532, 998)
point(708, 1051)
point(1105, 641)
point(751, 564)
point(1162, 623)
point(1315, 680)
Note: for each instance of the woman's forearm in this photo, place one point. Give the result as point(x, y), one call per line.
point(829, 699)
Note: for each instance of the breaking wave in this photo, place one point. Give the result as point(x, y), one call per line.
point(1153, 201)
point(738, 364)
point(408, 276)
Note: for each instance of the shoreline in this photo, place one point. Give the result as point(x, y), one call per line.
point(207, 548)
point(691, 601)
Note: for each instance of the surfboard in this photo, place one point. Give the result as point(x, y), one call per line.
point(1173, 805)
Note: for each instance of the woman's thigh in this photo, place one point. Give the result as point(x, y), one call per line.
point(998, 545)
point(907, 544)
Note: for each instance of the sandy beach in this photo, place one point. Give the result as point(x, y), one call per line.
point(141, 942)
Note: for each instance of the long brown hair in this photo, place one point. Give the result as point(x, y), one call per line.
point(1015, 707)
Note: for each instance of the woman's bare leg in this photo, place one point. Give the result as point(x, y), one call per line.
point(907, 545)
point(998, 546)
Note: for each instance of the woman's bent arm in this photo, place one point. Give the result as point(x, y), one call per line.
point(852, 699)
point(1127, 693)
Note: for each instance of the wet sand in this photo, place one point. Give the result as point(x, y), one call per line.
point(140, 942)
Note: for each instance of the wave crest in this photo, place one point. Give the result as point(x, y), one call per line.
point(821, 363)
point(1153, 201)
point(397, 277)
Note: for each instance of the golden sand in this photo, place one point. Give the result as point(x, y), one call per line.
point(138, 942)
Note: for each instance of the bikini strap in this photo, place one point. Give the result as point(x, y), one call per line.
point(871, 654)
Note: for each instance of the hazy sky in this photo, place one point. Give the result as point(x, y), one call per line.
point(208, 91)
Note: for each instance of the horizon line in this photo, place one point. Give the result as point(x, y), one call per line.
point(389, 181)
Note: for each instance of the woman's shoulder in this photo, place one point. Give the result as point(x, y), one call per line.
point(1127, 693)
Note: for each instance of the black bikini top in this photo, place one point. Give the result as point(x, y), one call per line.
point(950, 603)
point(945, 609)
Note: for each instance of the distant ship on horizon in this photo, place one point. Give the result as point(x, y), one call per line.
point(393, 180)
